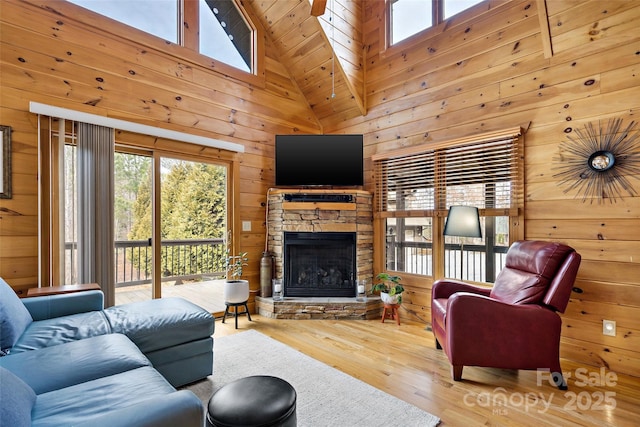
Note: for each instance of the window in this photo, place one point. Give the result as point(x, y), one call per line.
point(409, 17)
point(224, 32)
point(157, 17)
point(415, 187)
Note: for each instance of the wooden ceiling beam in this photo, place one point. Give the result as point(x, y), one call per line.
point(318, 7)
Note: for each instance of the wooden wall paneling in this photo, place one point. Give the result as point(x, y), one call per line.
point(151, 67)
point(557, 95)
point(619, 273)
point(601, 229)
point(121, 100)
point(614, 359)
point(606, 291)
point(592, 331)
point(628, 207)
point(556, 7)
point(610, 250)
point(580, 14)
point(621, 78)
point(427, 56)
point(342, 28)
point(58, 52)
point(613, 60)
point(596, 311)
point(614, 27)
point(18, 247)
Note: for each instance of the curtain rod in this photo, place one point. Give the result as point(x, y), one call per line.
point(79, 116)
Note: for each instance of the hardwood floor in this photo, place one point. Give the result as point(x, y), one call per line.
point(402, 361)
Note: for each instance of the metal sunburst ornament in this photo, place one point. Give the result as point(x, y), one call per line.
point(599, 163)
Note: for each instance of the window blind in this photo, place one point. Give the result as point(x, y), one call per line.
point(484, 172)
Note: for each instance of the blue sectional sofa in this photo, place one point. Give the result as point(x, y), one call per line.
point(68, 361)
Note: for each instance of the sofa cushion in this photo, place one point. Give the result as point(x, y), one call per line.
point(160, 323)
point(17, 400)
point(14, 317)
point(59, 330)
point(92, 399)
point(50, 306)
point(75, 362)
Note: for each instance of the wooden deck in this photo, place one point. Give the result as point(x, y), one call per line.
point(206, 294)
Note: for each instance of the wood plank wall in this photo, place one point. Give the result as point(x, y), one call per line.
point(488, 71)
point(57, 53)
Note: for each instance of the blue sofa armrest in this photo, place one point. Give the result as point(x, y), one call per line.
point(182, 408)
point(50, 306)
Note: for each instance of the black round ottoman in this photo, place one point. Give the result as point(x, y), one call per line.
point(257, 401)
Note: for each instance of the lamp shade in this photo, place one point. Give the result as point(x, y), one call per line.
point(463, 221)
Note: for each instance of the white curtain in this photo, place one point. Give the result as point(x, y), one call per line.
point(95, 150)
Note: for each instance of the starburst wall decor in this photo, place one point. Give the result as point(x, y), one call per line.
point(599, 163)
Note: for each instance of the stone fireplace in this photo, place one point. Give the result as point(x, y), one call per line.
point(319, 264)
point(322, 242)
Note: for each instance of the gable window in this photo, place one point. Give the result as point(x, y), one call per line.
point(225, 34)
point(157, 17)
point(409, 17)
point(218, 29)
point(415, 187)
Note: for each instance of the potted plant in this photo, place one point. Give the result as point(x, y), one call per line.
point(234, 264)
point(236, 290)
point(389, 287)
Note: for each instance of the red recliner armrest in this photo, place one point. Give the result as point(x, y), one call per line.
point(444, 288)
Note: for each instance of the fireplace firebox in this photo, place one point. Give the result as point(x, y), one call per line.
point(321, 264)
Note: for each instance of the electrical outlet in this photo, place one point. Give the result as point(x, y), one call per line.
point(609, 328)
point(246, 225)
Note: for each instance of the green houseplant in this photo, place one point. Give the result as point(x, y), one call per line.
point(236, 290)
point(389, 287)
point(234, 264)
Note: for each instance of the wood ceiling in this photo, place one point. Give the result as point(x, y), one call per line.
point(306, 44)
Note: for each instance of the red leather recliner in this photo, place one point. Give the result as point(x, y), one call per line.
point(515, 324)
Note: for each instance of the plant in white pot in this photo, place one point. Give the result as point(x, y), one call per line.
point(236, 290)
point(389, 287)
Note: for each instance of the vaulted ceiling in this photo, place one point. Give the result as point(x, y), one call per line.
point(333, 84)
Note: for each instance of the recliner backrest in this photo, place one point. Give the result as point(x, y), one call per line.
point(530, 268)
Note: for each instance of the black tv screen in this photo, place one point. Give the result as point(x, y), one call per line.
point(319, 160)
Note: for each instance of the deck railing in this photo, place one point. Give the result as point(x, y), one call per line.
point(205, 258)
point(465, 262)
point(180, 260)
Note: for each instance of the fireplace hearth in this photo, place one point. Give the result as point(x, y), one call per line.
point(319, 264)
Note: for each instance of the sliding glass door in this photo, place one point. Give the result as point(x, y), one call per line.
point(193, 228)
point(167, 218)
point(187, 216)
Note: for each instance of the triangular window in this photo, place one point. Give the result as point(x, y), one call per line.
point(225, 34)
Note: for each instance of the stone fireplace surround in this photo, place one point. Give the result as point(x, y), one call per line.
point(321, 210)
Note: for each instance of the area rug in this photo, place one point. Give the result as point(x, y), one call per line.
point(325, 395)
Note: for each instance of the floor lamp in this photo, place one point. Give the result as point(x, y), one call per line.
point(463, 221)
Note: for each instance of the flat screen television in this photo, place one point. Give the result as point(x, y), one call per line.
point(319, 160)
